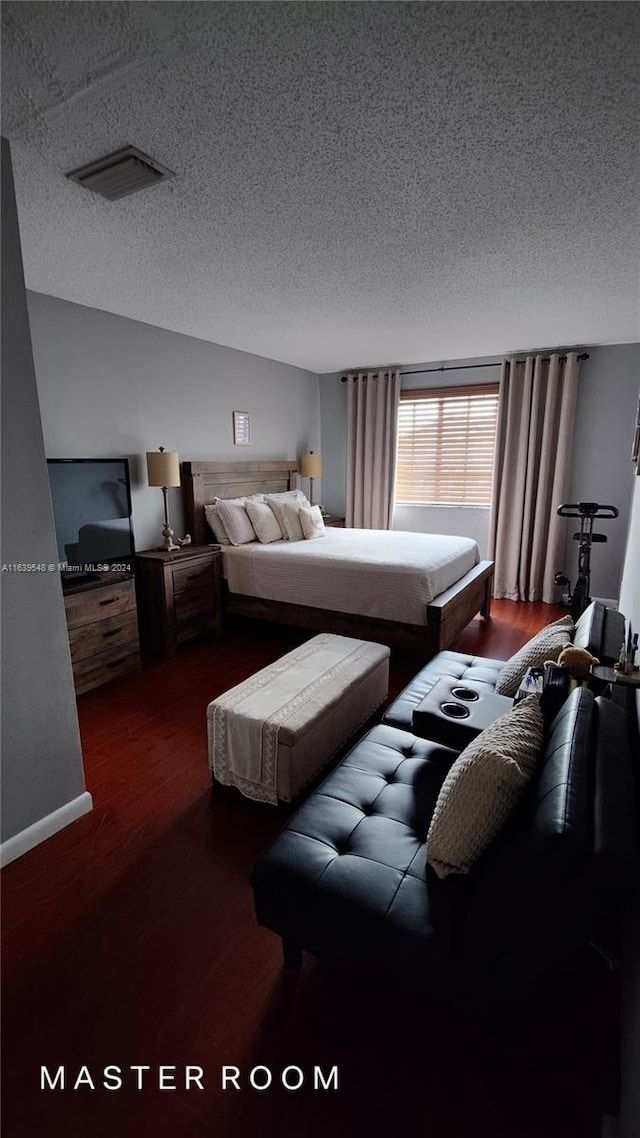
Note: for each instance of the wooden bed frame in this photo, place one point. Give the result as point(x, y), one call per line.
point(447, 614)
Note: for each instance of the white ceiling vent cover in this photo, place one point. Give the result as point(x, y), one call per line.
point(124, 172)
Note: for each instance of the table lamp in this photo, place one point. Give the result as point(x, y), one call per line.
point(311, 467)
point(163, 469)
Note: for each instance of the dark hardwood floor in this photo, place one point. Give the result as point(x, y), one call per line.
point(129, 938)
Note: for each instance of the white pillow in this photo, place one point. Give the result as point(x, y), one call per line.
point(312, 522)
point(545, 645)
point(215, 523)
point(276, 502)
point(264, 521)
point(287, 496)
point(291, 525)
point(482, 788)
point(236, 520)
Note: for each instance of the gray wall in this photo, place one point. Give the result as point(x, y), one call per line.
point(601, 469)
point(630, 1017)
point(110, 386)
point(333, 414)
point(41, 755)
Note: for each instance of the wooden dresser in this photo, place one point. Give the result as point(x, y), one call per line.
point(333, 522)
point(103, 630)
point(179, 596)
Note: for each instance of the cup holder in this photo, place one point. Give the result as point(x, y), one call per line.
point(454, 710)
point(467, 694)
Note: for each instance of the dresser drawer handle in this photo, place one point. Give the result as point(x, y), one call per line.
point(116, 663)
point(111, 632)
point(109, 601)
point(194, 576)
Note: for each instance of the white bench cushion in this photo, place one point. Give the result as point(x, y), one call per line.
point(270, 735)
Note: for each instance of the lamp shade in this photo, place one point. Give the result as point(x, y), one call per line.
point(163, 467)
point(311, 466)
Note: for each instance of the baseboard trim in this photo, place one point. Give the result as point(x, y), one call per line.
point(45, 828)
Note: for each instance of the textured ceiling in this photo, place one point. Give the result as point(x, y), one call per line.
point(356, 182)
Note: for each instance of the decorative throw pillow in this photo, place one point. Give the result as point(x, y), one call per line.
point(236, 520)
point(482, 788)
point(546, 645)
point(215, 523)
point(312, 522)
point(276, 502)
point(264, 521)
point(291, 525)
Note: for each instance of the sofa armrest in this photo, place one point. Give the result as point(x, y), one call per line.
point(565, 862)
point(601, 630)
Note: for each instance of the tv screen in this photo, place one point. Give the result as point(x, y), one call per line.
point(92, 513)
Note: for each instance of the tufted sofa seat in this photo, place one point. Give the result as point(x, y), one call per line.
point(350, 864)
point(600, 630)
point(347, 878)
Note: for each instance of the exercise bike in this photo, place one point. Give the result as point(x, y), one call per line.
point(579, 599)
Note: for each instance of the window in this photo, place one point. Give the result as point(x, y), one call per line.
point(446, 440)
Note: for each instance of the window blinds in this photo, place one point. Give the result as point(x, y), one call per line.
point(446, 441)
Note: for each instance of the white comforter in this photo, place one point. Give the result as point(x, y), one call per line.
point(379, 573)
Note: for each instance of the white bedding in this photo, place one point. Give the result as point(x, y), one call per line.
point(386, 574)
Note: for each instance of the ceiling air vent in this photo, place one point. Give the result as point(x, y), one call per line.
point(121, 173)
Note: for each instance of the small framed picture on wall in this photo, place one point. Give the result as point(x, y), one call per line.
point(241, 428)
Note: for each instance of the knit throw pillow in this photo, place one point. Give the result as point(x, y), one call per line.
point(290, 523)
point(216, 524)
point(482, 788)
point(545, 645)
point(236, 521)
point(277, 501)
point(312, 522)
point(264, 522)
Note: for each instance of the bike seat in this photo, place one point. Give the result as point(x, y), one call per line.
point(587, 510)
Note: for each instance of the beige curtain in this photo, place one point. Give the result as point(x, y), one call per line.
point(531, 474)
point(372, 413)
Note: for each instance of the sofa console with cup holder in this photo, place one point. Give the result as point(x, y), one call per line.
point(347, 879)
point(454, 712)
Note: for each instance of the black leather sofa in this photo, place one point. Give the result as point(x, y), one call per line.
point(347, 878)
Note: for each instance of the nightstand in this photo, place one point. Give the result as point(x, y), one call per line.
point(333, 522)
point(179, 596)
point(103, 630)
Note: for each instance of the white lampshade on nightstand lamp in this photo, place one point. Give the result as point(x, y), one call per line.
point(311, 467)
point(163, 469)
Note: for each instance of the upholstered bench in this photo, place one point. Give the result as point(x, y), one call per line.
point(600, 630)
point(270, 735)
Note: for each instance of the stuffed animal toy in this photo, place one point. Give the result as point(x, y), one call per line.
point(576, 661)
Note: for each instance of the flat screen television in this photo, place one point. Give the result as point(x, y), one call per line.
point(92, 514)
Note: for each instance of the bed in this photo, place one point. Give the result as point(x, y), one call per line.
point(324, 578)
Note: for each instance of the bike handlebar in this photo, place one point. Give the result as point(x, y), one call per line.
point(587, 510)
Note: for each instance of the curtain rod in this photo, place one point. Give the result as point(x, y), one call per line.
point(465, 367)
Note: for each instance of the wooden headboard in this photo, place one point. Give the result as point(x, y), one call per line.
point(204, 481)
